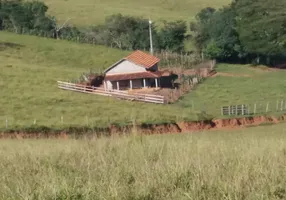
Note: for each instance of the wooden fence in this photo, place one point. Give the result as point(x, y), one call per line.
point(235, 110)
point(259, 107)
point(112, 93)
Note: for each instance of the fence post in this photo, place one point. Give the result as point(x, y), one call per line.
point(281, 105)
point(6, 123)
point(229, 110)
point(221, 111)
point(236, 110)
point(62, 120)
point(277, 105)
point(267, 107)
point(242, 110)
point(254, 109)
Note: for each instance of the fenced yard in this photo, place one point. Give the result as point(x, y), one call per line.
point(27, 99)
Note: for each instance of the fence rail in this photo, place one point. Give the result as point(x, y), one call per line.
point(112, 93)
point(235, 110)
point(262, 107)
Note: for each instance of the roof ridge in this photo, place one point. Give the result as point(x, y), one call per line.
point(132, 73)
point(136, 75)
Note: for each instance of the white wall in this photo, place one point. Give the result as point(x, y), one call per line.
point(109, 85)
point(126, 67)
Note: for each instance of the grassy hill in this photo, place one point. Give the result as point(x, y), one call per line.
point(87, 12)
point(30, 67)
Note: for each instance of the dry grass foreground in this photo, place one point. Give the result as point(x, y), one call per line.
point(243, 164)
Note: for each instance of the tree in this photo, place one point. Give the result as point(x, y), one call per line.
point(172, 36)
point(213, 50)
point(11, 15)
point(124, 32)
point(222, 31)
point(24, 17)
point(1, 15)
point(200, 28)
point(215, 34)
point(261, 25)
point(36, 21)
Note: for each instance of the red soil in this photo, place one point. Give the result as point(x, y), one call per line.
point(181, 127)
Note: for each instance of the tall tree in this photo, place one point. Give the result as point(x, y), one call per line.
point(124, 32)
point(172, 36)
point(223, 35)
point(200, 27)
point(24, 17)
point(261, 25)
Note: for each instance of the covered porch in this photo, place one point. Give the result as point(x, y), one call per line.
point(132, 81)
point(132, 84)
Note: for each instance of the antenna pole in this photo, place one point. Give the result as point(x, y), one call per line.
point(151, 40)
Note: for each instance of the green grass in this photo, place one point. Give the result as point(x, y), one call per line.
point(29, 89)
point(249, 86)
point(29, 92)
point(243, 164)
point(88, 12)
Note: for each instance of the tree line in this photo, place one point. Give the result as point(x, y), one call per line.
point(124, 32)
point(250, 31)
point(246, 31)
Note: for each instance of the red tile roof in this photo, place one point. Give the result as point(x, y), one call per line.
point(143, 59)
point(131, 76)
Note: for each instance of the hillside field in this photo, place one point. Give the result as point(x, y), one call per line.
point(30, 67)
point(92, 12)
point(244, 164)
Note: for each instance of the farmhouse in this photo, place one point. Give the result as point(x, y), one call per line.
point(137, 70)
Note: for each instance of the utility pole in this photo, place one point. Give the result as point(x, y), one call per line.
point(151, 40)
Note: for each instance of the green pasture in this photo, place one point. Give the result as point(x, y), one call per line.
point(240, 84)
point(92, 12)
point(30, 67)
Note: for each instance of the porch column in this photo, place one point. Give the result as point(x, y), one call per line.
point(104, 83)
point(144, 82)
point(156, 82)
point(117, 85)
point(131, 84)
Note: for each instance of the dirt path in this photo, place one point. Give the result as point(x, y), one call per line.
point(229, 75)
point(180, 127)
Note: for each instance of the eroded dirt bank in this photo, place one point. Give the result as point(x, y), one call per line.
point(180, 127)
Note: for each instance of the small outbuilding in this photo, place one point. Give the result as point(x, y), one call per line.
point(137, 70)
